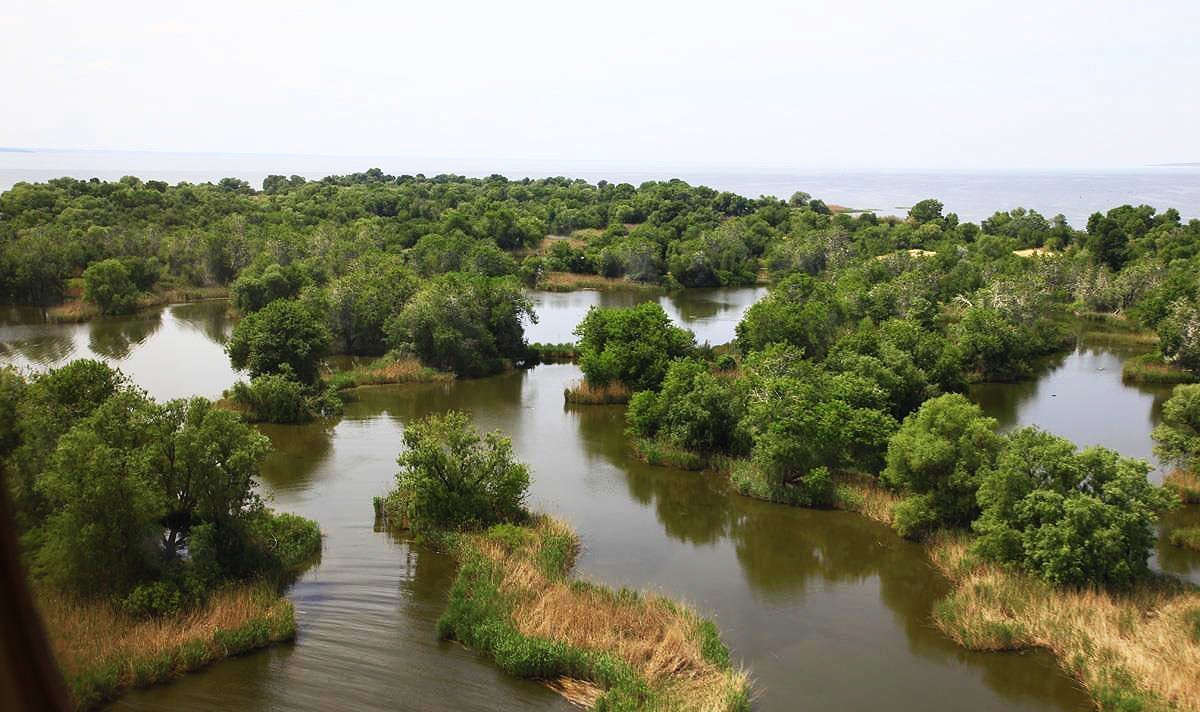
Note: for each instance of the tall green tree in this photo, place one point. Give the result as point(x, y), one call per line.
point(284, 337)
point(633, 346)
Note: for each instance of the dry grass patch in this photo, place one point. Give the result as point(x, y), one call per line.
point(624, 649)
point(1185, 484)
point(569, 282)
point(584, 393)
point(389, 371)
point(861, 493)
point(1133, 651)
point(101, 650)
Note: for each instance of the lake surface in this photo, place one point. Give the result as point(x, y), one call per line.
point(973, 195)
point(828, 610)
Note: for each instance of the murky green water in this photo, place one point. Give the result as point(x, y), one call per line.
point(827, 609)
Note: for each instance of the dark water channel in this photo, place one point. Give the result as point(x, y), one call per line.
point(828, 610)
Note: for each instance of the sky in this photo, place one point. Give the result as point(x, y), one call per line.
point(797, 85)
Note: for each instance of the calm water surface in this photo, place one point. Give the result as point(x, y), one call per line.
point(827, 609)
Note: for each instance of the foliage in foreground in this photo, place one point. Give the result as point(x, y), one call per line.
point(112, 488)
point(614, 650)
point(103, 650)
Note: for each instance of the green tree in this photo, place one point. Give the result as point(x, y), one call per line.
point(633, 346)
point(284, 337)
point(1179, 335)
point(107, 284)
point(1073, 518)
point(465, 323)
point(936, 458)
point(800, 311)
point(1177, 437)
point(1107, 241)
point(695, 409)
point(925, 211)
point(451, 478)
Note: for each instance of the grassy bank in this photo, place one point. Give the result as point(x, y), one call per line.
point(1187, 537)
point(584, 393)
point(657, 452)
point(1132, 651)
point(569, 282)
point(78, 311)
point(613, 650)
point(554, 353)
point(1150, 368)
point(1185, 484)
point(103, 651)
point(387, 371)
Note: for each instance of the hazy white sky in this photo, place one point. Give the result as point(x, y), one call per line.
point(845, 83)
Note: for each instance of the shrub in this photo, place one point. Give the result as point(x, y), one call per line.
point(275, 398)
point(1177, 438)
point(284, 337)
point(938, 454)
point(107, 284)
point(451, 478)
point(633, 346)
point(1073, 518)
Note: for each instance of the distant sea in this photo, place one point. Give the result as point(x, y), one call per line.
point(973, 195)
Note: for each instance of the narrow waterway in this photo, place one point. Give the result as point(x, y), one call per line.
point(828, 610)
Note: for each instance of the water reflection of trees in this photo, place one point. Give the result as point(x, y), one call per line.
point(782, 551)
point(210, 318)
point(54, 346)
point(297, 452)
point(116, 338)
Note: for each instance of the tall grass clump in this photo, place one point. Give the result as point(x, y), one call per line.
point(1185, 484)
point(388, 370)
point(1188, 537)
point(1151, 368)
point(103, 650)
point(584, 393)
point(611, 650)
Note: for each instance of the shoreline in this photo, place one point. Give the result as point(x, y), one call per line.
point(102, 652)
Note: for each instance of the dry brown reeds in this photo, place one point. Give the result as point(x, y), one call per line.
point(1133, 650)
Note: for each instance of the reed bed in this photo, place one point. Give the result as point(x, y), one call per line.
point(389, 371)
point(584, 393)
point(1150, 368)
point(102, 651)
point(1185, 484)
point(1132, 651)
point(598, 647)
point(1187, 537)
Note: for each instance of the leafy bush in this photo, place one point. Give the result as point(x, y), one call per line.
point(465, 323)
point(451, 478)
point(107, 284)
point(800, 311)
point(284, 337)
point(694, 410)
point(1073, 518)
point(938, 454)
point(275, 398)
point(633, 346)
point(1177, 437)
